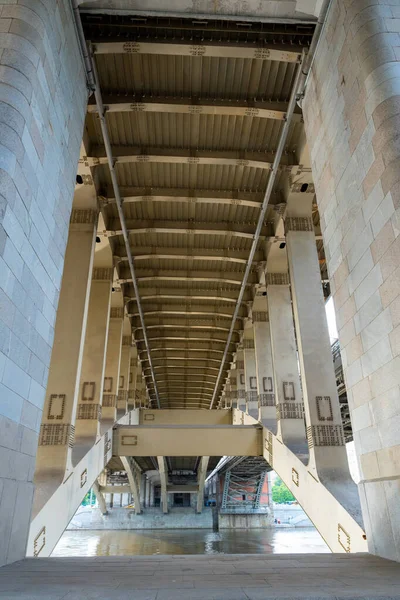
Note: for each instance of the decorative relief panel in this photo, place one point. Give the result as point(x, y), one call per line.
point(56, 407)
point(251, 396)
point(129, 440)
point(277, 279)
point(108, 384)
point(253, 383)
point(39, 542)
point(266, 399)
point(241, 394)
point(268, 384)
point(240, 364)
point(116, 313)
point(344, 538)
point(109, 400)
point(324, 408)
point(295, 477)
point(56, 435)
point(88, 390)
point(91, 412)
point(288, 391)
point(242, 382)
point(290, 410)
point(84, 216)
point(269, 457)
point(121, 383)
point(102, 274)
point(248, 344)
point(298, 224)
point(260, 316)
point(126, 340)
point(325, 435)
point(83, 478)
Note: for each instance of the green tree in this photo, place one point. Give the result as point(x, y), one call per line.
point(280, 492)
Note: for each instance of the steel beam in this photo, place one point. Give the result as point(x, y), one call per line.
point(198, 50)
point(149, 417)
point(197, 106)
point(233, 158)
point(187, 440)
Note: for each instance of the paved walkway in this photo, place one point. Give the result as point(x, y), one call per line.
point(194, 577)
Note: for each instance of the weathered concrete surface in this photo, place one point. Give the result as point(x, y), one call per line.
point(216, 577)
point(152, 518)
point(352, 118)
point(42, 107)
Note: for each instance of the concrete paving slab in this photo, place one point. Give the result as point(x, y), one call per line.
point(220, 577)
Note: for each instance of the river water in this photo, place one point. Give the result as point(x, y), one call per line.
point(189, 541)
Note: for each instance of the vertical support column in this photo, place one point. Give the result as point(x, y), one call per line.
point(132, 379)
point(289, 397)
point(93, 363)
point(139, 386)
point(113, 363)
point(100, 498)
point(233, 386)
point(124, 375)
point(53, 458)
point(240, 379)
point(162, 467)
point(142, 490)
point(250, 371)
point(152, 494)
point(201, 478)
point(265, 377)
point(148, 492)
point(133, 478)
point(328, 458)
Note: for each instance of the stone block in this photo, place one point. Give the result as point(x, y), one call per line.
point(11, 434)
point(377, 356)
point(360, 271)
point(368, 286)
point(382, 214)
point(361, 417)
point(16, 379)
point(20, 522)
point(382, 241)
point(379, 328)
point(7, 505)
point(369, 439)
point(386, 377)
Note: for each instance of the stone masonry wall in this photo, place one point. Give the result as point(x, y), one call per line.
point(352, 116)
point(42, 107)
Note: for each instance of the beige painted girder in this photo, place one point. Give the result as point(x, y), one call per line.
point(162, 468)
point(116, 489)
point(201, 478)
point(186, 228)
point(184, 313)
point(184, 200)
point(177, 324)
point(150, 417)
point(198, 50)
point(187, 294)
point(187, 339)
point(181, 192)
point(197, 360)
point(239, 108)
point(186, 348)
point(225, 277)
point(168, 254)
point(187, 440)
point(232, 158)
point(339, 529)
point(134, 484)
